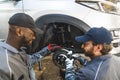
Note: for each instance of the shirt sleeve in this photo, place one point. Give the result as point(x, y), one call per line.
point(81, 74)
point(70, 74)
point(36, 57)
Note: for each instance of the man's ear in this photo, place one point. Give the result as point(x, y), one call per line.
point(100, 46)
point(19, 32)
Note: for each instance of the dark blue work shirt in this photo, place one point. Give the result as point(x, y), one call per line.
point(99, 68)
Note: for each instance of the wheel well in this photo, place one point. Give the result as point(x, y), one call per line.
point(61, 29)
point(52, 18)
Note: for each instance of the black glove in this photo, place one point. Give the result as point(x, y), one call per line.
point(53, 47)
point(82, 60)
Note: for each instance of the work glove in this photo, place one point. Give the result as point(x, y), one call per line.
point(83, 61)
point(48, 49)
point(69, 63)
point(53, 47)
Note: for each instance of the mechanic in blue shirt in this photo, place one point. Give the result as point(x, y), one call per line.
point(15, 63)
point(96, 44)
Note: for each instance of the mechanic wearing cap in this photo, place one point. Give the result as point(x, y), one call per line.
point(96, 44)
point(15, 64)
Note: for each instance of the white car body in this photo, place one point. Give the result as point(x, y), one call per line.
point(62, 11)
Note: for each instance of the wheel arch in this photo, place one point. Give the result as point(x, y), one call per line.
point(52, 18)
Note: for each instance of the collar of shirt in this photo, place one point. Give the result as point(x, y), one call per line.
point(8, 47)
point(103, 57)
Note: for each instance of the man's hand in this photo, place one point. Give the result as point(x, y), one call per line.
point(47, 50)
point(69, 63)
point(83, 61)
point(53, 47)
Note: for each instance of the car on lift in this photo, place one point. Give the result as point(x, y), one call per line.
point(62, 20)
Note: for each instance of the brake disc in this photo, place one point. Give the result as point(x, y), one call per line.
point(58, 59)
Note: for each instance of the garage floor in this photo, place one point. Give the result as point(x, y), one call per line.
point(49, 70)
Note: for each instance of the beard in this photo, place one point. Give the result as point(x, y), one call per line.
point(89, 53)
point(25, 42)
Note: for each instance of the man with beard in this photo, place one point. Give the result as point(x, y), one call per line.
point(15, 64)
point(96, 44)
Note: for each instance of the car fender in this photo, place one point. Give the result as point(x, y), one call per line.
point(52, 18)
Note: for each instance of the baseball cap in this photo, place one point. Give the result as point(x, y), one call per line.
point(97, 35)
point(24, 20)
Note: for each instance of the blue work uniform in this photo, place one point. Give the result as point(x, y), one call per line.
point(105, 67)
point(17, 65)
